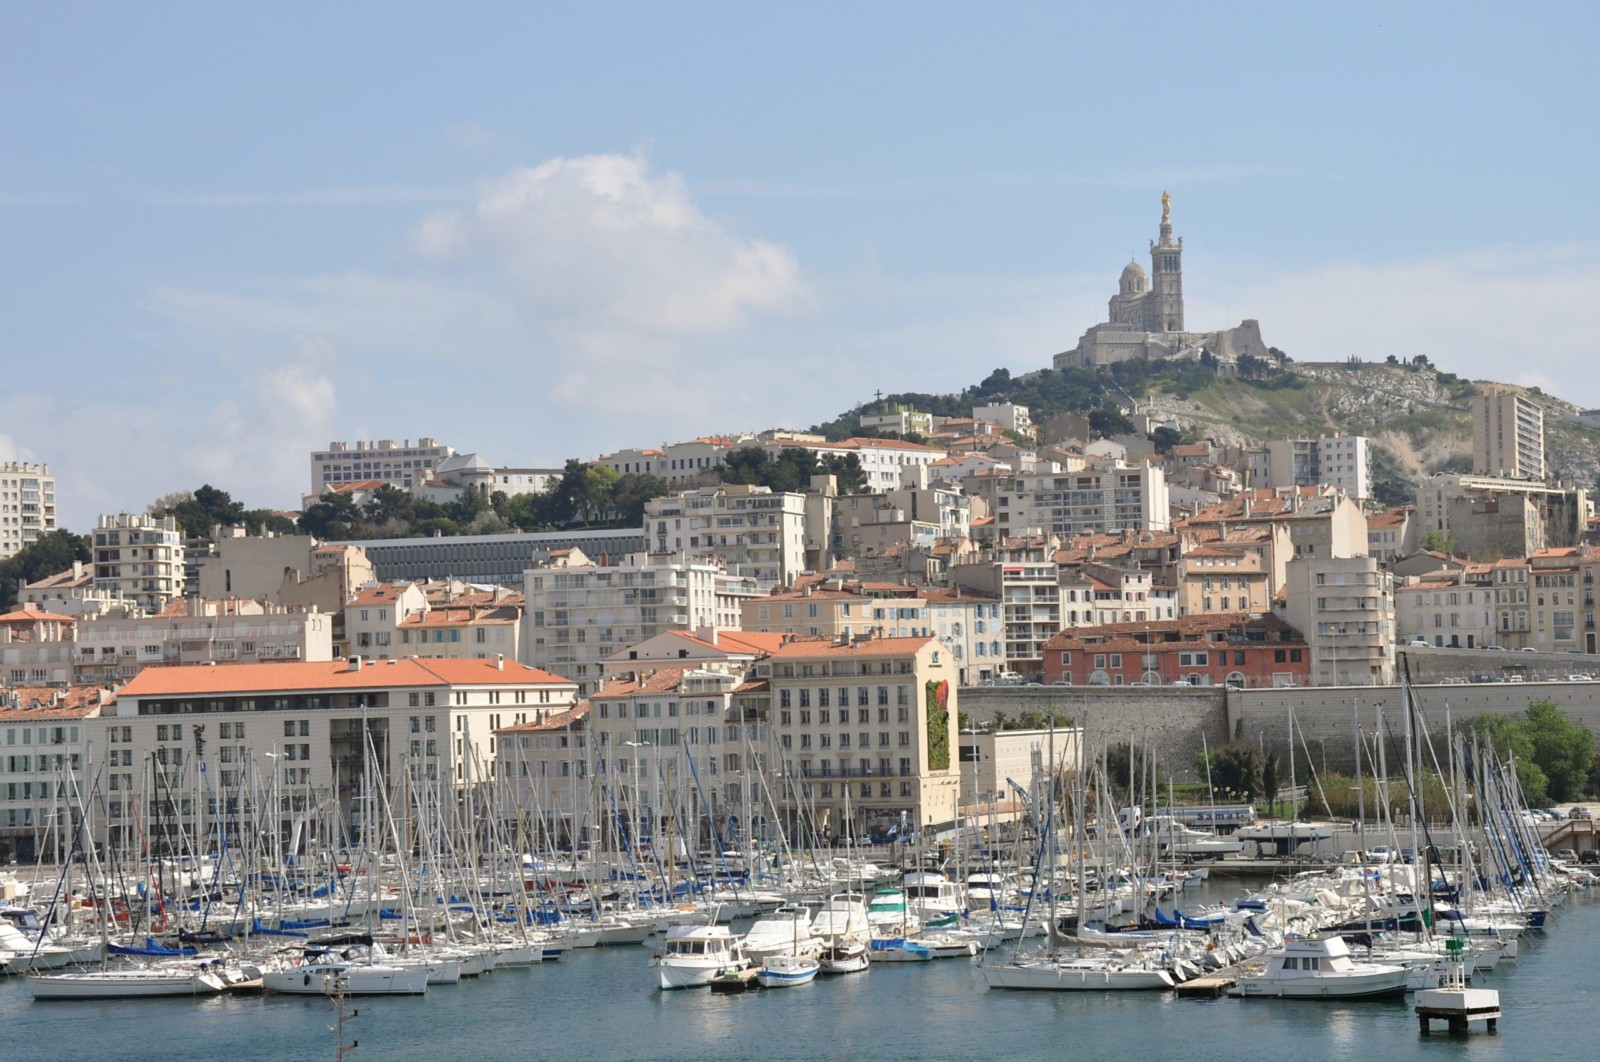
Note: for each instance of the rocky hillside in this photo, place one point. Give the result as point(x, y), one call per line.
point(1419, 419)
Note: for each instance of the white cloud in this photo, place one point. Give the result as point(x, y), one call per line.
point(601, 250)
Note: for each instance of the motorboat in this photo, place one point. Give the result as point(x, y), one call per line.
point(786, 971)
point(786, 931)
point(1317, 968)
point(694, 954)
point(851, 957)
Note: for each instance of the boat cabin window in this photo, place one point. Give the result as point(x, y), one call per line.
point(1290, 963)
point(1313, 964)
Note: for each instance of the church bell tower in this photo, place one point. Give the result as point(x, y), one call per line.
point(1166, 276)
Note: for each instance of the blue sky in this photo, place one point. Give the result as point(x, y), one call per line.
point(539, 232)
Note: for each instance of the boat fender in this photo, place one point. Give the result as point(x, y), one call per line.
point(307, 982)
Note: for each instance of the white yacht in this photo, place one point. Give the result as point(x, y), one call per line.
point(694, 954)
point(1317, 968)
point(129, 983)
point(353, 961)
point(786, 931)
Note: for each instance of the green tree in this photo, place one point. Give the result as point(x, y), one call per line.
point(1235, 767)
point(1563, 750)
point(198, 512)
point(632, 492)
point(1438, 542)
point(333, 517)
point(50, 554)
point(1509, 738)
point(1165, 439)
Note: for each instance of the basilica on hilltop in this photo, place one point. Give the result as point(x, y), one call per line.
point(1146, 316)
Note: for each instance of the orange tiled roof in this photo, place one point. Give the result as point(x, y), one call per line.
point(50, 702)
point(801, 648)
point(559, 721)
point(30, 614)
point(330, 675)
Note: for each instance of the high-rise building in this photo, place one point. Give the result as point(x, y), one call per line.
point(140, 555)
point(27, 505)
point(1507, 435)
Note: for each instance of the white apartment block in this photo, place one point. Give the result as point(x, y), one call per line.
point(140, 556)
point(44, 741)
point(1454, 615)
point(1342, 461)
point(1007, 415)
point(27, 505)
point(1098, 498)
point(577, 613)
point(402, 464)
point(884, 461)
point(899, 420)
point(294, 737)
point(748, 531)
point(677, 463)
point(115, 647)
point(1028, 587)
point(1507, 435)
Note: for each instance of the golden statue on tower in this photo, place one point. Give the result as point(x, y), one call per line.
point(1166, 208)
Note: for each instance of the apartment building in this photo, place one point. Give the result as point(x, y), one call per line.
point(448, 620)
point(1025, 580)
point(862, 736)
point(400, 464)
point(1006, 415)
point(1451, 608)
point(297, 737)
point(1101, 497)
point(578, 613)
point(1507, 435)
point(1238, 650)
point(1344, 608)
point(1216, 579)
point(44, 741)
point(141, 557)
point(746, 530)
point(1341, 461)
point(832, 609)
point(27, 505)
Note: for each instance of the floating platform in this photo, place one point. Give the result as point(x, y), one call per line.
point(1457, 1007)
point(735, 980)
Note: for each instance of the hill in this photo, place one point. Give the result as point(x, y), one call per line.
point(1418, 417)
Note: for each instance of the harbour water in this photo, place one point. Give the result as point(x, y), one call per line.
point(598, 1004)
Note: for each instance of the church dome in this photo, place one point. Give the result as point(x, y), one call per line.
point(1133, 278)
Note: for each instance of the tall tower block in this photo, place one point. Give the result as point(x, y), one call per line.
point(1166, 276)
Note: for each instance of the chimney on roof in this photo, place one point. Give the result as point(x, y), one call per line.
point(354, 663)
point(499, 661)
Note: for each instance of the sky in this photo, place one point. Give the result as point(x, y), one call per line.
point(230, 233)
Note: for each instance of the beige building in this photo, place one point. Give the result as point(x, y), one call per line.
point(1344, 608)
point(835, 609)
point(1214, 580)
point(27, 505)
point(1507, 434)
point(301, 737)
point(275, 567)
point(863, 736)
point(140, 557)
point(990, 757)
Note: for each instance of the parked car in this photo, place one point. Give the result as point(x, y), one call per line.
point(1527, 649)
point(1579, 813)
point(1589, 856)
point(1580, 678)
point(1566, 855)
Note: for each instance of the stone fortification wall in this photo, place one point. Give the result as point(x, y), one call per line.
point(1325, 718)
point(1171, 719)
